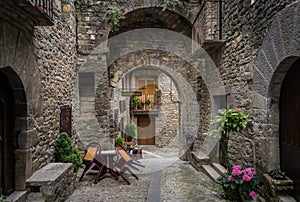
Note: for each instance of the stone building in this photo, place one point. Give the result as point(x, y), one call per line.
point(38, 74)
point(245, 57)
point(253, 44)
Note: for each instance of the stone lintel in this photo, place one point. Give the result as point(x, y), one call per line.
point(259, 101)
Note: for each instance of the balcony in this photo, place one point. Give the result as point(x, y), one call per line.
point(207, 27)
point(27, 13)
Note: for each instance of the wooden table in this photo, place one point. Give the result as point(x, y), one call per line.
point(106, 157)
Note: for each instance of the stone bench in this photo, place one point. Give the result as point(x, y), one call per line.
point(53, 182)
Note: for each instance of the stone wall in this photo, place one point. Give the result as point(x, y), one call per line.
point(167, 124)
point(244, 29)
point(39, 62)
point(55, 51)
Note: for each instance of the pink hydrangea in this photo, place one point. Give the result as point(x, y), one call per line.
point(230, 178)
point(249, 171)
point(247, 178)
point(236, 167)
point(252, 194)
point(236, 170)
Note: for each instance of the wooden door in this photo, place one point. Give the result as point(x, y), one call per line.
point(290, 126)
point(6, 140)
point(66, 119)
point(146, 130)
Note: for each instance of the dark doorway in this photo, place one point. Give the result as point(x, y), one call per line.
point(290, 126)
point(146, 130)
point(6, 137)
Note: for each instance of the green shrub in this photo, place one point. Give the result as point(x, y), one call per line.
point(130, 131)
point(277, 174)
point(119, 140)
point(229, 120)
point(2, 198)
point(65, 152)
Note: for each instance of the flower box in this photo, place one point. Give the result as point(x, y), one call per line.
point(278, 187)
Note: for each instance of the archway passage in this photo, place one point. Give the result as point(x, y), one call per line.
point(290, 127)
point(6, 137)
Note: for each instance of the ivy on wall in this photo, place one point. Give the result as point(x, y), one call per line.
point(81, 4)
point(169, 3)
point(114, 14)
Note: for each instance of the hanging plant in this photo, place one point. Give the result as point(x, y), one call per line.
point(228, 120)
point(114, 15)
point(169, 3)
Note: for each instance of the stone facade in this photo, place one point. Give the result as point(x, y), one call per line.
point(38, 58)
point(244, 37)
point(56, 62)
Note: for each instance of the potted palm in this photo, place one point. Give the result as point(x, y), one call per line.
point(135, 103)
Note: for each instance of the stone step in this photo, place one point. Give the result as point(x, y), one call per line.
point(286, 199)
point(211, 172)
point(17, 196)
point(199, 158)
point(219, 168)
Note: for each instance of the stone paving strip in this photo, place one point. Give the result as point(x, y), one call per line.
point(165, 178)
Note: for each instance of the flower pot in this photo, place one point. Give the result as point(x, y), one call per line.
point(231, 194)
point(278, 187)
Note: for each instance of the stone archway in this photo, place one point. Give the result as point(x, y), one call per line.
point(189, 113)
point(22, 157)
point(174, 56)
point(186, 9)
point(279, 50)
point(100, 59)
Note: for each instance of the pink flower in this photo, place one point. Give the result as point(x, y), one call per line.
point(236, 172)
point(247, 178)
point(252, 194)
point(230, 178)
point(249, 171)
point(236, 167)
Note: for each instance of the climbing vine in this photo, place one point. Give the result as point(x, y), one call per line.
point(81, 4)
point(114, 14)
point(169, 3)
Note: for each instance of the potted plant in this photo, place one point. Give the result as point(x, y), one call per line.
point(149, 104)
point(239, 183)
point(141, 105)
point(130, 131)
point(2, 198)
point(158, 99)
point(135, 103)
point(228, 120)
point(278, 183)
point(119, 141)
point(65, 152)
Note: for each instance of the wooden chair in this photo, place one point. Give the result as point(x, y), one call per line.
point(92, 160)
point(125, 163)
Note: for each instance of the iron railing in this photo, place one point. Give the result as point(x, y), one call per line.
point(46, 6)
point(208, 24)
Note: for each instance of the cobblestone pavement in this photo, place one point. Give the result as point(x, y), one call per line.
point(179, 182)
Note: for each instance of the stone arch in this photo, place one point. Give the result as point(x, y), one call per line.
point(200, 62)
point(21, 137)
point(154, 17)
point(189, 115)
point(279, 50)
point(182, 9)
